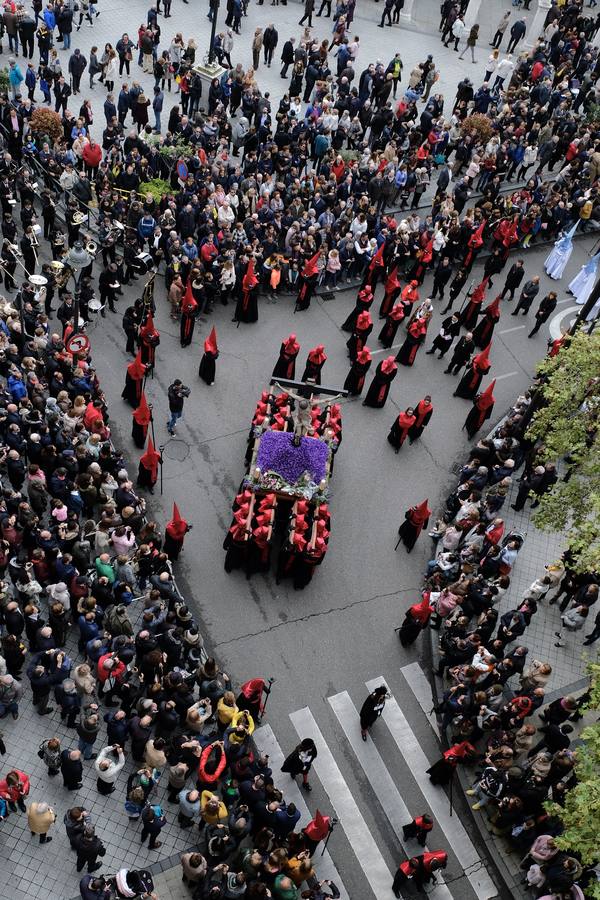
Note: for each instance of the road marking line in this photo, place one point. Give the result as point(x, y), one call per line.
point(419, 685)
point(509, 330)
point(454, 830)
point(379, 778)
point(357, 831)
point(266, 742)
point(386, 349)
point(506, 375)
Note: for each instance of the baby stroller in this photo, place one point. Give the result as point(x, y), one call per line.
point(131, 883)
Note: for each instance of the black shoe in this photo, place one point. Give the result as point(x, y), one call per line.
point(95, 868)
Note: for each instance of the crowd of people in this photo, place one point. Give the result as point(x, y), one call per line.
point(492, 688)
point(268, 200)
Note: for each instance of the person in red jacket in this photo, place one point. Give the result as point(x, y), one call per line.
point(110, 673)
point(92, 157)
point(419, 828)
point(14, 788)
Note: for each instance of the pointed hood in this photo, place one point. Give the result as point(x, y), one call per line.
point(210, 344)
point(311, 266)
point(420, 513)
point(478, 294)
point(142, 414)
point(482, 360)
point(493, 310)
point(389, 365)
point(391, 282)
point(364, 321)
point(421, 611)
point(486, 398)
point(189, 303)
point(137, 369)
point(317, 354)
point(378, 258)
point(291, 345)
point(150, 459)
point(177, 527)
point(364, 356)
point(318, 829)
point(249, 280)
point(476, 239)
point(148, 327)
point(397, 312)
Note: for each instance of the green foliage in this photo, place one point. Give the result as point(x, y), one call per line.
point(4, 82)
point(592, 111)
point(567, 425)
point(580, 815)
point(157, 187)
point(349, 156)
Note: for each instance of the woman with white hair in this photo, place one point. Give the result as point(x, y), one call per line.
point(40, 817)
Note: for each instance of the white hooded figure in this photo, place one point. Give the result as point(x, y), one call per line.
point(581, 286)
point(556, 261)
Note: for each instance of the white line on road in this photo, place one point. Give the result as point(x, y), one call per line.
point(506, 375)
point(555, 321)
point(386, 349)
point(379, 778)
point(509, 330)
point(267, 743)
point(359, 835)
point(454, 830)
point(419, 685)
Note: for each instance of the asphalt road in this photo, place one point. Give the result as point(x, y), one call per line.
point(339, 631)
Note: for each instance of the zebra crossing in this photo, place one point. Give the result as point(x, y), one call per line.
point(470, 877)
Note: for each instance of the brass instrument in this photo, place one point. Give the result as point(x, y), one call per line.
point(91, 247)
point(57, 266)
point(78, 217)
point(62, 276)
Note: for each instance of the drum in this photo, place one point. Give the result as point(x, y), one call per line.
point(94, 306)
point(38, 280)
point(142, 263)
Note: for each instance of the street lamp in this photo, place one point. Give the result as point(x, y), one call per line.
point(78, 259)
point(214, 9)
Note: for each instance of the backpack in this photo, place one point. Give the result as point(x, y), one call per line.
point(140, 881)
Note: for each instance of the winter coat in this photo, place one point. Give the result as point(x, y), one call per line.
point(40, 817)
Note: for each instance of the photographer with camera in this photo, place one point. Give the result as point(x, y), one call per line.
point(177, 394)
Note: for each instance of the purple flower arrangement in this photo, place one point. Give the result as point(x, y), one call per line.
point(277, 453)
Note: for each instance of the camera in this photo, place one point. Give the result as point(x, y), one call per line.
point(184, 390)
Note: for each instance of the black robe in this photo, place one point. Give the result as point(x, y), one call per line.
point(285, 367)
point(379, 388)
point(355, 379)
point(476, 418)
point(246, 308)
point(139, 434)
point(469, 384)
point(207, 367)
point(387, 335)
point(186, 330)
point(482, 333)
point(132, 390)
point(313, 371)
point(307, 289)
point(408, 351)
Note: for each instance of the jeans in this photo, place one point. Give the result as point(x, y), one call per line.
point(173, 420)
point(157, 122)
point(66, 41)
point(85, 748)
point(6, 708)
point(13, 43)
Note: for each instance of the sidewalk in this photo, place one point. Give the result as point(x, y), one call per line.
point(568, 666)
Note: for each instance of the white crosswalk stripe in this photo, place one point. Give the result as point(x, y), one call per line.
point(379, 778)
point(455, 834)
point(357, 831)
point(419, 685)
point(267, 743)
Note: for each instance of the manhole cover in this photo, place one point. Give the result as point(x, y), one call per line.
point(176, 449)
